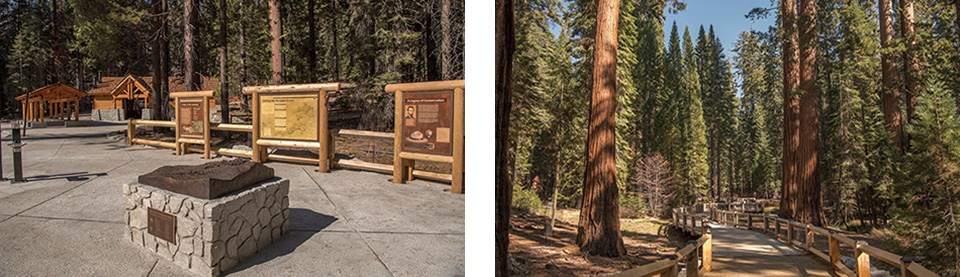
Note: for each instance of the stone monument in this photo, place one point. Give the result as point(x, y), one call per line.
point(209, 217)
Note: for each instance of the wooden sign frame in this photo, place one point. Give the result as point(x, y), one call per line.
point(403, 161)
point(204, 97)
point(322, 143)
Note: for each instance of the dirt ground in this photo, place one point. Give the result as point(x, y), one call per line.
point(532, 253)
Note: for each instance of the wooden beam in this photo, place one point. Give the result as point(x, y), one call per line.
point(332, 87)
point(425, 86)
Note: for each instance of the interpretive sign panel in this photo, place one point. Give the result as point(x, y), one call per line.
point(428, 122)
point(190, 119)
point(289, 116)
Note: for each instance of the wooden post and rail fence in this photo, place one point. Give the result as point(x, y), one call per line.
point(803, 236)
point(692, 220)
point(309, 131)
point(696, 257)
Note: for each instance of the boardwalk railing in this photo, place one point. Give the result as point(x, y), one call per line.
point(803, 236)
point(697, 256)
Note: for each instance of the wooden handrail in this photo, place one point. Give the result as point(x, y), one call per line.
point(690, 254)
point(862, 251)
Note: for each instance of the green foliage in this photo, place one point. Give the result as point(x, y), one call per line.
point(526, 200)
point(633, 206)
point(929, 218)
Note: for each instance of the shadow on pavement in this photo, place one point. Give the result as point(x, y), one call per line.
point(292, 240)
point(72, 177)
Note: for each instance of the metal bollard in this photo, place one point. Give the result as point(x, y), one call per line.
point(17, 159)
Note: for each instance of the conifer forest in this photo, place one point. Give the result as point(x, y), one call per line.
point(843, 112)
point(369, 43)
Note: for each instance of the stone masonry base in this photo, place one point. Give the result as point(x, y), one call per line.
point(211, 235)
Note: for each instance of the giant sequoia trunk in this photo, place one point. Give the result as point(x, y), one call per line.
point(276, 60)
point(808, 198)
point(890, 96)
point(791, 106)
point(505, 44)
point(190, 15)
point(599, 230)
point(224, 89)
point(911, 62)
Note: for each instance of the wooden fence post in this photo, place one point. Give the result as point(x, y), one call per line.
point(708, 253)
point(776, 224)
point(789, 233)
point(130, 131)
point(810, 238)
point(693, 262)
point(863, 260)
point(766, 223)
point(834, 251)
point(749, 221)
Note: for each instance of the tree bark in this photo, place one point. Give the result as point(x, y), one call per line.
point(276, 31)
point(446, 43)
point(311, 44)
point(791, 107)
point(890, 95)
point(911, 62)
point(808, 206)
point(599, 229)
point(160, 64)
point(224, 88)
point(190, 16)
point(243, 44)
point(505, 46)
point(336, 40)
point(59, 53)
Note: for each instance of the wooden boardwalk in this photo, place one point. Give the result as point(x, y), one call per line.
point(739, 252)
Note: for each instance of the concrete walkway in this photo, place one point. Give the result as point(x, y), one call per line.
point(738, 252)
point(68, 219)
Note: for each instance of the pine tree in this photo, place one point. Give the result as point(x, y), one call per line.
point(929, 220)
point(694, 165)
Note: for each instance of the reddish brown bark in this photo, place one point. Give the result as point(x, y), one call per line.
point(276, 31)
point(505, 44)
point(911, 62)
point(808, 198)
point(599, 230)
point(160, 63)
point(190, 15)
point(791, 107)
point(890, 95)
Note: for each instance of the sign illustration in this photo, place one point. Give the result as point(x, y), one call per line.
point(428, 122)
point(289, 116)
point(190, 120)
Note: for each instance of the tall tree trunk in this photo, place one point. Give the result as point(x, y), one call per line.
point(808, 208)
point(224, 88)
point(505, 46)
point(311, 44)
point(791, 107)
point(430, 45)
point(890, 95)
point(160, 61)
point(243, 45)
point(911, 62)
point(446, 41)
point(276, 31)
point(59, 53)
point(336, 40)
point(159, 19)
point(599, 229)
point(190, 15)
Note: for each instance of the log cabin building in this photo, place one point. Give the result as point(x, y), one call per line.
point(56, 101)
point(129, 97)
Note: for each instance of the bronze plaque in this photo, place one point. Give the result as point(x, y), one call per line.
point(190, 119)
point(162, 225)
point(289, 116)
point(428, 122)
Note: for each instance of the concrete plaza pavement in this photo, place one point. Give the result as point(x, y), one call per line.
point(68, 219)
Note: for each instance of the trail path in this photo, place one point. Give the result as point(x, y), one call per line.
point(738, 252)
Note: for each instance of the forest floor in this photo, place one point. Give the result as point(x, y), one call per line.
point(532, 253)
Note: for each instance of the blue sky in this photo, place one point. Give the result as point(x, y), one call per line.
point(727, 17)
